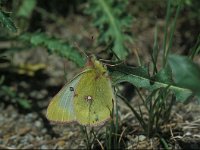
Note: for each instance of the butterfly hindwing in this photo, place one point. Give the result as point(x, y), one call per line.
point(93, 102)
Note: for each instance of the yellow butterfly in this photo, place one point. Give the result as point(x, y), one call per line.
point(87, 99)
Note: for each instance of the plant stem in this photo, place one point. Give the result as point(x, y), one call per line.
point(166, 28)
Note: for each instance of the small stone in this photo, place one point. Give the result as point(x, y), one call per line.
point(44, 147)
point(1, 118)
point(141, 137)
point(61, 143)
point(44, 130)
point(188, 134)
point(39, 138)
point(23, 131)
point(38, 124)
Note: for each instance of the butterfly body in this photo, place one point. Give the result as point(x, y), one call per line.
point(87, 99)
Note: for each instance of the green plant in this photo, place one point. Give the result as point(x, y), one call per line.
point(6, 21)
point(111, 19)
point(53, 45)
point(178, 75)
point(11, 95)
point(6, 91)
point(26, 8)
point(158, 105)
point(112, 134)
point(167, 46)
point(186, 73)
point(196, 49)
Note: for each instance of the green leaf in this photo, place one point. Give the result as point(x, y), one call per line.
point(54, 45)
point(14, 97)
point(24, 103)
point(111, 19)
point(165, 76)
point(7, 22)
point(26, 8)
point(186, 73)
point(138, 76)
point(195, 50)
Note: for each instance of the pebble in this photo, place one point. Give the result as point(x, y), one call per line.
point(44, 130)
point(188, 134)
point(44, 147)
point(1, 118)
point(38, 124)
point(141, 138)
point(61, 143)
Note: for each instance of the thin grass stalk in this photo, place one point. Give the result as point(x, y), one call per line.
point(142, 98)
point(137, 57)
point(107, 137)
point(168, 112)
point(196, 49)
point(158, 108)
point(139, 118)
point(154, 55)
point(84, 131)
point(172, 33)
point(165, 144)
point(144, 103)
point(168, 13)
point(116, 127)
point(109, 134)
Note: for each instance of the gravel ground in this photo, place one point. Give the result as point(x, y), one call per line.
point(28, 130)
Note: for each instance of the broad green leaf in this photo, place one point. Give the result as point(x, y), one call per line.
point(7, 22)
point(139, 77)
point(164, 76)
point(186, 73)
point(26, 8)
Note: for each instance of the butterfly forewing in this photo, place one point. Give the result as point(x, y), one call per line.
point(61, 107)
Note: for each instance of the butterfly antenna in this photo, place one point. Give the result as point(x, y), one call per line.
point(92, 39)
point(80, 50)
point(112, 65)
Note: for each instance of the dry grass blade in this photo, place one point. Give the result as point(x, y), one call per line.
point(121, 135)
point(100, 144)
point(5, 147)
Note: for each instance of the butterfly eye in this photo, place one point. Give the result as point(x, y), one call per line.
point(71, 89)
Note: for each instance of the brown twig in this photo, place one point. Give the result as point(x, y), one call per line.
point(5, 147)
point(121, 135)
point(100, 144)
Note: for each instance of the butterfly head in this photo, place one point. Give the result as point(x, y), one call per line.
point(96, 64)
